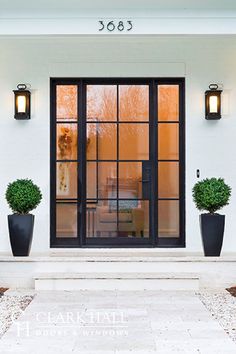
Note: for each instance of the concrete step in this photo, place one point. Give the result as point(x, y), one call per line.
point(116, 281)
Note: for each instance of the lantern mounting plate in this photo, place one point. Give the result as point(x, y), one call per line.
point(22, 87)
point(213, 87)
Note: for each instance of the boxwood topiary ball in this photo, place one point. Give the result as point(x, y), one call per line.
point(211, 194)
point(23, 196)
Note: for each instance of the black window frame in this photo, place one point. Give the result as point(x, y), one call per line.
point(81, 240)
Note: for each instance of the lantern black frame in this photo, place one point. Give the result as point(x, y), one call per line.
point(22, 92)
point(213, 91)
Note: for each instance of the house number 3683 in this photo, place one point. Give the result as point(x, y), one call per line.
point(112, 26)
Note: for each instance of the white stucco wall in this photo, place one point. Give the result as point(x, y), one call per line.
point(25, 145)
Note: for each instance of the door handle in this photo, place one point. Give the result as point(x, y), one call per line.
point(146, 179)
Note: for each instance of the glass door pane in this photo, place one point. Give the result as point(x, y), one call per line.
point(117, 145)
point(66, 106)
point(67, 166)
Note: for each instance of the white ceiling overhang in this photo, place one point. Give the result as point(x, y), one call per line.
point(149, 17)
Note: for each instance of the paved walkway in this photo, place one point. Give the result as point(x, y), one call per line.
point(116, 322)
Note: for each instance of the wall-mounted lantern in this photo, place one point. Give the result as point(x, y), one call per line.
point(213, 102)
point(22, 102)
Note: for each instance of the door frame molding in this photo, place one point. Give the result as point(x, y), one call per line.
point(80, 241)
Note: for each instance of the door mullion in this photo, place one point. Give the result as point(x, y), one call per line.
point(153, 159)
point(117, 157)
point(82, 163)
point(182, 162)
point(78, 163)
point(53, 238)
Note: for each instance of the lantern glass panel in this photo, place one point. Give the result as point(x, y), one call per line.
point(213, 104)
point(21, 104)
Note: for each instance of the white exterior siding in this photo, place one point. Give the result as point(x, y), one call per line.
point(25, 145)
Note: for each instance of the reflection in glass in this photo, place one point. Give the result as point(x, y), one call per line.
point(168, 102)
point(168, 180)
point(133, 141)
point(130, 180)
point(101, 102)
point(107, 180)
point(66, 220)
point(66, 141)
point(66, 180)
point(168, 141)
point(91, 142)
point(107, 141)
point(91, 180)
point(102, 137)
point(102, 219)
point(133, 218)
point(168, 218)
point(133, 102)
point(66, 102)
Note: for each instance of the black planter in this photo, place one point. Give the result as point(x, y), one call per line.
point(212, 230)
point(21, 233)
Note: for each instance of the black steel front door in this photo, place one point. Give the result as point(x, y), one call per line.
point(117, 162)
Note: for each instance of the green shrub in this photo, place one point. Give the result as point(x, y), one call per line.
point(23, 196)
point(211, 194)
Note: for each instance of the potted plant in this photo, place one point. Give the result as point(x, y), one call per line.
point(22, 196)
point(211, 194)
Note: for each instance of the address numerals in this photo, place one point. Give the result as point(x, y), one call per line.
point(119, 26)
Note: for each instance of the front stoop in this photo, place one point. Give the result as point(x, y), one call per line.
point(116, 281)
point(118, 269)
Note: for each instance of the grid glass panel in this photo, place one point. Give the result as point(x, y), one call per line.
point(133, 141)
point(67, 165)
point(107, 144)
point(168, 141)
point(168, 102)
point(168, 161)
point(66, 220)
point(92, 181)
point(91, 141)
point(101, 102)
point(67, 141)
point(102, 219)
point(114, 187)
point(66, 98)
point(168, 180)
point(134, 103)
point(130, 180)
point(168, 218)
point(66, 181)
point(107, 180)
point(133, 218)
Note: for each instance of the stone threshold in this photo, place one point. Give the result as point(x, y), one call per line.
point(117, 255)
point(117, 275)
point(125, 280)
